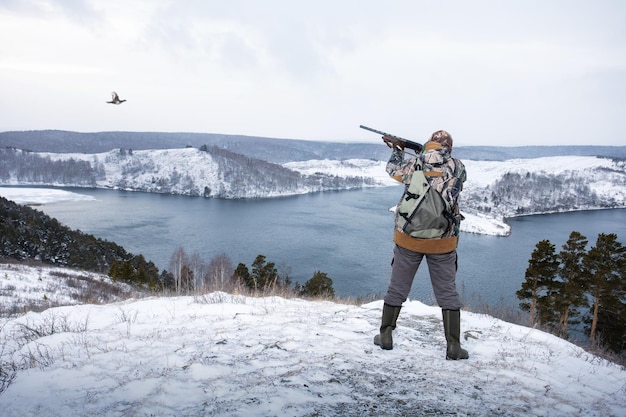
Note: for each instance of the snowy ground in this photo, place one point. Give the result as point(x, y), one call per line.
point(37, 288)
point(38, 196)
point(224, 355)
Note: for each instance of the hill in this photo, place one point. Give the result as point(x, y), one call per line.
point(207, 171)
point(33, 287)
point(495, 190)
point(224, 355)
point(268, 149)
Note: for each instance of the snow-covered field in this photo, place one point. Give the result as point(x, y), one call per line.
point(225, 355)
point(37, 196)
point(350, 167)
point(485, 173)
point(54, 286)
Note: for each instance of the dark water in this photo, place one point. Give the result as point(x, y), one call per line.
point(347, 235)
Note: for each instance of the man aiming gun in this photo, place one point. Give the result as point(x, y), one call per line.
point(427, 225)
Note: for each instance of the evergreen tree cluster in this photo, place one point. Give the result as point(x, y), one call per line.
point(318, 286)
point(264, 277)
point(577, 286)
point(26, 233)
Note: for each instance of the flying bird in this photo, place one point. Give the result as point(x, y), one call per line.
point(116, 99)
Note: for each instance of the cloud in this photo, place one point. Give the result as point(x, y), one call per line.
point(318, 70)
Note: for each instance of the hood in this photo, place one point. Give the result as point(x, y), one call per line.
point(434, 154)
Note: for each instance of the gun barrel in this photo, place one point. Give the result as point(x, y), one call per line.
point(407, 142)
point(372, 130)
point(385, 133)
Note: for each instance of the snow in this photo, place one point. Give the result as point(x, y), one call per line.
point(143, 171)
point(606, 177)
point(54, 286)
point(350, 167)
point(484, 173)
point(228, 355)
point(484, 225)
point(37, 196)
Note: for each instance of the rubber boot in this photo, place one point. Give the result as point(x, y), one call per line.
point(388, 324)
point(452, 329)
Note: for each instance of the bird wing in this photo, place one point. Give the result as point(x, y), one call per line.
point(115, 96)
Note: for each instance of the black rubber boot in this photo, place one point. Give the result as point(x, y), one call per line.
point(388, 324)
point(452, 329)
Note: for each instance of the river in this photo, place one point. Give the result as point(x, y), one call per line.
point(347, 235)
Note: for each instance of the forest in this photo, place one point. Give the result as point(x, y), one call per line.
point(29, 234)
point(578, 287)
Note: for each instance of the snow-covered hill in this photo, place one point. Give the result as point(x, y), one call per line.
point(494, 191)
point(225, 355)
point(544, 185)
point(24, 288)
point(211, 172)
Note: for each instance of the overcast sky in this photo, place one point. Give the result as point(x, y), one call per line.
point(491, 72)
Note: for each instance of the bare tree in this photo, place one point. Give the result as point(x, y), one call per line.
point(220, 272)
point(178, 267)
point(198, 270)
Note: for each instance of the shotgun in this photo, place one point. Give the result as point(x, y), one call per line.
point(396, 140)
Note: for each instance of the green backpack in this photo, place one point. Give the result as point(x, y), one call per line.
point(425, 213)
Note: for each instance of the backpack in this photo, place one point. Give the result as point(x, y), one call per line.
point(423, 212)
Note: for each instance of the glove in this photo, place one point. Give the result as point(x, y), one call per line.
point(393, 143)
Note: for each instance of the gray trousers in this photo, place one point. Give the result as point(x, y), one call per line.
point(441, 267)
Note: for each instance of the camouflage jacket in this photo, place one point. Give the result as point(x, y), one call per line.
point(447, 175)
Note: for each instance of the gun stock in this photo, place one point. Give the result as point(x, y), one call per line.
point(396, 140)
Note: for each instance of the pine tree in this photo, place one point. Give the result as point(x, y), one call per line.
point(605, 264)
point(318, 286)
point(538, 286)
point(264, 274)
point(166, 281)
point(573, 281)
point(242, 275)
point(114, 272)
point(126, 272)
